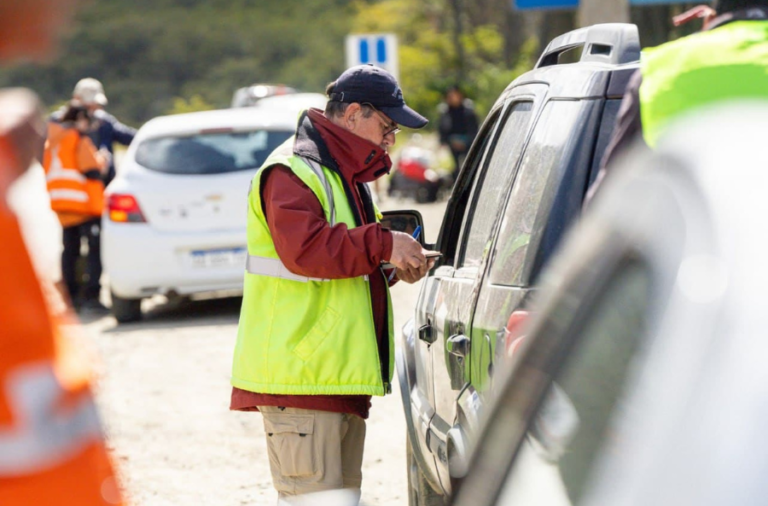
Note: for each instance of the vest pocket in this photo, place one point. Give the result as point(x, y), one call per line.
point(317, 334)
point(291, 444)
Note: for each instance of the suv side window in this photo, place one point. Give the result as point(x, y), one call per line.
point(571, 427)
point(489, 190)
point(449, 233)
point(539, 181)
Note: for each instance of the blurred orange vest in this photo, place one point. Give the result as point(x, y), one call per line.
point(68, 156)
point(51, 445)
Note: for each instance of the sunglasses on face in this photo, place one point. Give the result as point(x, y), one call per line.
point(390, 127)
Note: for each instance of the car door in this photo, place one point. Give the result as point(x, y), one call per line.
point(422, 335)
point(576, 372)
point(546, 196)
point(453, 297)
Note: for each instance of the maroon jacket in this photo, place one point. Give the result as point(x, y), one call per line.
point(309, 246)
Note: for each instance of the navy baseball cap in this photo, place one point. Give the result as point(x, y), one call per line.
point(366, 84)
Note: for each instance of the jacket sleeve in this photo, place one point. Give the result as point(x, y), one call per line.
point(122, 134)
point(305, 241)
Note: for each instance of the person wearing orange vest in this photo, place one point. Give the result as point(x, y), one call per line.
point(74, 170)
point(52, 450)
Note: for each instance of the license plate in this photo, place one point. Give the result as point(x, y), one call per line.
point(213, 258)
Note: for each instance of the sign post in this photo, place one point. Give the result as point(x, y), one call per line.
point(592, 12)
point(379, 49)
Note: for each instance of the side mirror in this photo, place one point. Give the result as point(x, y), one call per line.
point(404, 221)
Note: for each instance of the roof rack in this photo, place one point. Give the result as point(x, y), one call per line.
point(612, 43)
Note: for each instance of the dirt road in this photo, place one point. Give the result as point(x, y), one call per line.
point(164, 390)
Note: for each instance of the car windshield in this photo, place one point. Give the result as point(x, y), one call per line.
point(209, 153)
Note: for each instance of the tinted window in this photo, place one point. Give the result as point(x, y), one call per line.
point(571, 427)
point(537, 185)
point(451, 228)
point(212, 153)
point(481, 216)
point(610, 114)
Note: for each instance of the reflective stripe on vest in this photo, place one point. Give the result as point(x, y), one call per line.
point(76, 195)
point(326, 184)
point(46, 432)
point(275, 268)
point(65, 185)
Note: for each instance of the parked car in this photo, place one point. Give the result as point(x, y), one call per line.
point(522, 184)
point(175, 218)
point(296, 101)
point(251, 95)
point(642, 379)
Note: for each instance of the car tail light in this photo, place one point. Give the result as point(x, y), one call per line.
point(514, 331)
point(124, 209)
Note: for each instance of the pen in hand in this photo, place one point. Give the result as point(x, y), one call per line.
point(415, 235)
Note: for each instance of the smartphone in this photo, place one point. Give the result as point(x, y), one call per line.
point(430, 255)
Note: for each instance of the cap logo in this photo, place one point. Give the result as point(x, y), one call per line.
point(398, 94)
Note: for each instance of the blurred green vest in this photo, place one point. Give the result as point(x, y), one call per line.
point(729, 62)
point(298, 335)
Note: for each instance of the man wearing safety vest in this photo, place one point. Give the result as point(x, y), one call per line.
point(74, 170)
point(727, 60)
point(315, 339)
point(52, 450)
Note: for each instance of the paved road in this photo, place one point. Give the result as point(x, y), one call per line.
point(163, 388)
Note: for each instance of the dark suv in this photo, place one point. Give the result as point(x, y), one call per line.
point(520, 187)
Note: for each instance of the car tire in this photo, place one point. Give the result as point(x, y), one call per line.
point(420, 492)
point(126, 310)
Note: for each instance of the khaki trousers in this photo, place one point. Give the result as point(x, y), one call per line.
point(313, 451)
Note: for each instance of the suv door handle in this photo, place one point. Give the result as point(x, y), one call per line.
point(426, 333)
point(458, 345)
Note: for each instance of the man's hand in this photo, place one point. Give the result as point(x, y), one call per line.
point(412, 275)
point(406, 252)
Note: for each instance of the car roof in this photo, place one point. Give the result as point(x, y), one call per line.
point(610, 54)
point(271, 118)
point(296, 101)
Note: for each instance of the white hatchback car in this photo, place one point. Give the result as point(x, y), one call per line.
point(176, 212)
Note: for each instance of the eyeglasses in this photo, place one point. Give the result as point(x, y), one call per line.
point(388, 123)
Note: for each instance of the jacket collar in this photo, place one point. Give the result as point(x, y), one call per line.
point(355, 158)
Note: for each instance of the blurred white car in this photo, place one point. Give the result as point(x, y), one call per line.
point(176, 212)
point(296, 101)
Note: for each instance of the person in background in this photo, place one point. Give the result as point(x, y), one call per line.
point(106, 130)
point(315, 339)
point(74, 169)
point(727, 60)
point(52, 448)
point(458, 125)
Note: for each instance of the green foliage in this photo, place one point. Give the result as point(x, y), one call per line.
point(429, 60)
point(150, 52)
point(161, 56)
point(194, 104)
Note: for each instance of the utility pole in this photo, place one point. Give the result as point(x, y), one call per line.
point(458, 32)
point(592, 12)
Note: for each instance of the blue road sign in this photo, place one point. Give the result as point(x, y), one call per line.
point(379, 49)
point(523, 5)
point(546, 4)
